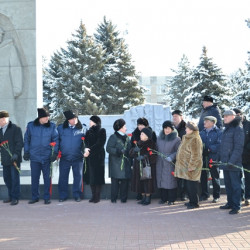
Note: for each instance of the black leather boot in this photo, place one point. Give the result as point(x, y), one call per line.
point(142, 200)
point(93, 189)
point(147, 201)
point(97, 193)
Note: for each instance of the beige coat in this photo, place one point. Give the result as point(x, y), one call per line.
point(189, 157)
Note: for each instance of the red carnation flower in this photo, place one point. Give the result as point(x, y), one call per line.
point(83, 138)
point(129, 135)
point(52, 144)
point(209, 179)
point(150, 152)
point(172, 173)
point(211, 161)
point(148, 149)
point(210, 165)
point(59, 154)
point(134, 142)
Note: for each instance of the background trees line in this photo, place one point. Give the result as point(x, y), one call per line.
point(97, 71)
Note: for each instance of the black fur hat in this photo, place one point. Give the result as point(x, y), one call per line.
point(96, 119)
point(118, 124)
point(4, 113)
point(168, 124)
point(69, 115)
point(208, 98)
point(42, 112)
point(142, 121)
point(147, 132)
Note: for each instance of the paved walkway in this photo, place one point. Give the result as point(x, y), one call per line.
point(83, 225)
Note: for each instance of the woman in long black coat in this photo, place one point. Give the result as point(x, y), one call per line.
point(94, 168)
point(141, 154)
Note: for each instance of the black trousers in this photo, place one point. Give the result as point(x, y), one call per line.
point(192, 190)
point(168, 194)
point(181, 191)
point(215, 174)
point(119, 184)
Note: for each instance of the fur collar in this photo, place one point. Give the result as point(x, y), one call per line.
point(169, 137)
point(78, 125)
point(37, 123)
point(234, 123)
point(181, 125)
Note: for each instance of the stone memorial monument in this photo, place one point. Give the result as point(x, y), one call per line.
point(18, 77)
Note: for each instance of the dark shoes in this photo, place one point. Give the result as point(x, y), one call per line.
point(62, 200)
point(139, 197)
point(14, 202)
point(92, 199)
point(225, 207)
point(247, 202)
point(7, 201)
point(77, 199)
point(170, 203)
point(33, 201)
point(147, 201)
point(192, 206)
point(235, 211)
point(203, 198)
point(161, 202)
point(215, 200)
point(47, 202)
point(113, 201)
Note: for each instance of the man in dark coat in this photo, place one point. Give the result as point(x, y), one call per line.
point(180, 126)
point(118, 147)
point(246, 154)
point(94, 170)
point(71, 146)
point(230, 154)
point(209, 109)
point(38, 137)
point(13, 134)
point(211, 138)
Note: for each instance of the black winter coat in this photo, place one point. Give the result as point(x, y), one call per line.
point(246, 150)
point(14, 136)
point(95, 139)
point(210, 111)
point(231, 147)
point(181, 129)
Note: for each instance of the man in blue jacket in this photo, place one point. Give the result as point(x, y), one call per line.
point(230, 154)
point(38, 137)
point(209, 109)
point(71, 147)
point(211, 138)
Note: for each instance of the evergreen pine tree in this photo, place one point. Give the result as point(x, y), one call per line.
point(179, 83)
point(119, 84)
point(207, 79)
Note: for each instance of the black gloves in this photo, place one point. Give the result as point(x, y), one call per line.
point(120, 151)
point(26, 156)
point(139, 158)
point(14, 157)
point(53, 157)
point(136, 149)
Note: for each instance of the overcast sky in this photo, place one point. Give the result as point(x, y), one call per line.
point(159, 31)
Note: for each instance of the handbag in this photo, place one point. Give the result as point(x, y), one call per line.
point(146, 171)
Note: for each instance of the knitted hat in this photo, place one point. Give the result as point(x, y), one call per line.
point(96, 119)
point(4, 113)
point(229, 112)
point(142, 121)
point(69, 115)
point(168, 124)
point(118, 124)
point(177, 112)
point(211, 118)
point(192, 126)
point(147, 132)
point(238, 111)
point(208, 98)
point(42, 112)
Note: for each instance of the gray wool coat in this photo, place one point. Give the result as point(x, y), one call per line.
point(167, 145)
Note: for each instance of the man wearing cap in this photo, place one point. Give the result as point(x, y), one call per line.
point(71, 147)
point(118, 147)
point(230, 155)
point(209, 109)
point(179, 123)
point(13, 134)
point(246, 154)
point(37, 138)
point(211, 138)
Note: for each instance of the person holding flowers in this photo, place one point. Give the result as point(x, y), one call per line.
point(140, 154)
point(189, 163)
point(71, 146)
point(38, 148)
point(118, 147)
point(167, 143)
point(11, 140)
point(94, 168)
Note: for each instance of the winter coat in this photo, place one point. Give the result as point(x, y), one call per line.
point(231, 147)
point(246, 150)
point(14, 136)
point(138, 185)
point(211, 142)
point(181, 129)
point(37, 139)
point(210, 111)
point(70, 141)
point(136, 135)
point(95, 140)
point(189, 157)
point(167, 145)
point(116, 142)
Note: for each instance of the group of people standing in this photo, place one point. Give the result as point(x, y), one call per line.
point(182, 155)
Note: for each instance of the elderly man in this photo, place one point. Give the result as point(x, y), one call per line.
point(209, 109)
point(38, 137)
point(230, 154)
point(246, 154)
point(13, 134)
point(211, 138)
